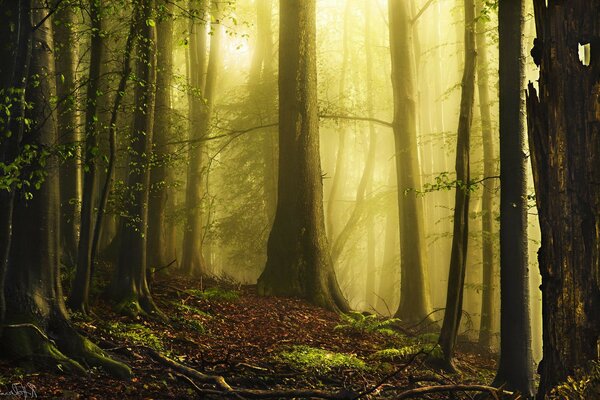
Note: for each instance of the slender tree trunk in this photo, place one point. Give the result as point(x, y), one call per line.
point(160, 232)
point(78, 298)
point(68, 126)
point(130, 291)
point(34, 294)
point(414, 291)
point(298, 262)
point(489, 188)
point(460, 238)
point(564, 132)
point(515, 370)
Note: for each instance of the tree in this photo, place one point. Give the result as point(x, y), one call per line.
point(460, 235)
point(203, 81)
point(564, 127)
point(298, 262)
point(414, 291)
point(34, 301)
point(489, 170)
point(78, 297)
point(515, 369)
point(68, 125)
point(161, 233)
point(130, 291)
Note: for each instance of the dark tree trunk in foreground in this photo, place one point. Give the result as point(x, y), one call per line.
point(161, 235)
point(130, 291)
point(414, 290)
point(35, 305)
point(489, 188)
point(564, 137)
point(15, 53)
point(515, 370)
point(298, 262)
point(460, 235)
point(78, 299)
point(68, 127)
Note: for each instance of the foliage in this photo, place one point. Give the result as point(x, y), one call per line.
point(360, 323)
point(215, 294)
point(585, 384)
point(136, 334)
point(426, 343)
point(321, 361)
point(186, 308)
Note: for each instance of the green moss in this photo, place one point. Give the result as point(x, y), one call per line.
point(185, 308)
point(136, 334)
point(407, 346)
point(188, 323)
point(215, 294)
point(321, 361)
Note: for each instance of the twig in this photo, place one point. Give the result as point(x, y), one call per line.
point(494, 392)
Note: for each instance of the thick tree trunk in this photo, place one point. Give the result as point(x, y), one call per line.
point(68, 127)
point(298, 262)
point(489, 188)
point(564, 137)
point(515, 369)
point(414, 290)
point(460, 237)
point(161, 235)
point(78, 300)
point(15, 53)
point(35, 308)
point(130, 291)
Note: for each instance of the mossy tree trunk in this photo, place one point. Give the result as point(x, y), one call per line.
point(35, 312)
point(298, 260)
point(460, 236)
point(564, 137)
point(414, 286)
point(130, 291)
point(515, 369)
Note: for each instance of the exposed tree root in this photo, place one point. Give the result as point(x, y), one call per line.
point(496, 393)
point(225, 390)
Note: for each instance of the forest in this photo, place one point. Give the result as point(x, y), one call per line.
point(300, 199)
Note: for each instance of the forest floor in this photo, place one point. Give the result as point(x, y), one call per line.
point(261, 343)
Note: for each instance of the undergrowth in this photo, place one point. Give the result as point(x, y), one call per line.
point(584, 385)
point(357, 322)
point(320, 361)
point(215, 294)
point(136, 333)
point(407, 346)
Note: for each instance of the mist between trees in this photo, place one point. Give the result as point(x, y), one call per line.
point(343, 151)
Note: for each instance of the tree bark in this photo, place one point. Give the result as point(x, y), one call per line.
point(68, 126)
point(515, 369)
point(414, 290)
point(460, 237)
point(564, 132)
point(298, 262)
point(130, 291)
point(161, 232)
point(489, 189)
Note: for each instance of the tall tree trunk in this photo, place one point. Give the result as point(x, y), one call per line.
point(298, 261)
point(564, 132)
point(68, 126)
point(161, 233)
point(34, 294)
point(414, 290)
point(460, 237)
point(515, 369)
point(78, 298)
point(130, 291)
point(201, 109)
point(15, 53)
point(489, 189)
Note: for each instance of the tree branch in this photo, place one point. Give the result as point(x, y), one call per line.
point(494, 392)
point(356, 118)
point(421, 11)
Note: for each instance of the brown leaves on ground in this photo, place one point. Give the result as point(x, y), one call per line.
point(240, 339)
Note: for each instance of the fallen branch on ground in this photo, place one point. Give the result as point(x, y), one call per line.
point(412, 393)
point(225, 390)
